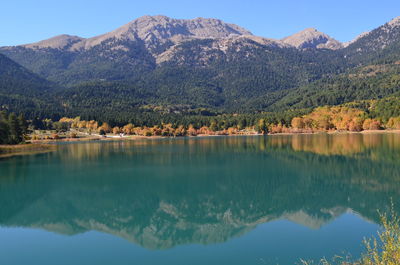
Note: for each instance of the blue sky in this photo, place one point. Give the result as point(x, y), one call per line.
point(25, 21)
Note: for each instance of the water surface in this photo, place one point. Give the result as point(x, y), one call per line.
point(222, 200)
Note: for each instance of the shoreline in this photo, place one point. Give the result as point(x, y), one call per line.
point(338, 132)
point(49, 145)
point(139, 137)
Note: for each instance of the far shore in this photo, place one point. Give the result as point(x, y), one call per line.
point(48, 145)
point(338, 132)
point(111, 137)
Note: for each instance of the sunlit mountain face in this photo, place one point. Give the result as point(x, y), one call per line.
point(161, 194)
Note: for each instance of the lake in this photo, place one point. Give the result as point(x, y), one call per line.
point(213, 200)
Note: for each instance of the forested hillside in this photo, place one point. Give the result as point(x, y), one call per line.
point(24, 92)
point(369, 82)
point(158, 68)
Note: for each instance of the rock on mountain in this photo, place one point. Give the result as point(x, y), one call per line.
point(312, 38)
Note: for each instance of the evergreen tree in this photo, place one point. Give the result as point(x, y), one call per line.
point(15, 129)
point(4, 131)
point(23, 124)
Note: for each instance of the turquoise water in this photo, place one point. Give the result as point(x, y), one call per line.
point(223, 200)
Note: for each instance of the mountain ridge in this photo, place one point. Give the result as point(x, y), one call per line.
point(148, 28)
point(207, 63)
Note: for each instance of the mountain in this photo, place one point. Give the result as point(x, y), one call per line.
point(20, 89)
point(380, 45)
point(312, 38)
point(158, 31)
point(373, 73)
point(156, 62)
point(63, 42)
point(154, 31)
point(137, 48)
point(15, 78)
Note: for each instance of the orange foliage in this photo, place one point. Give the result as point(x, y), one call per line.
point(105, 127)
point(370, 124)
point(328, 118)
point(116, 130)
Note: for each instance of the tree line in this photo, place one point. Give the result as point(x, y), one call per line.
point(13, 128)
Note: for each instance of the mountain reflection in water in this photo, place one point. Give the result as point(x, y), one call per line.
point(164, 193)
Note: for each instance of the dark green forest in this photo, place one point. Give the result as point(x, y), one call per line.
point(12, 128)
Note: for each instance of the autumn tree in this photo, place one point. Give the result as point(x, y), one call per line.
point(105, 127)
point(393, 123)
point(116, 130)
point(262, 126)
point(298, 123)
point(371, 124)
point(128, 129)
point(180, 131)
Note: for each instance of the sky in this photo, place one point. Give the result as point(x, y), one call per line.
point(27, 21)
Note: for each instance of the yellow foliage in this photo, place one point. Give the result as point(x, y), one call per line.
point(327, 118)
point(393, 123)
point(298, 123)
point(105, 127)
point(128, 129)
point(370, 124)
point(116, 130)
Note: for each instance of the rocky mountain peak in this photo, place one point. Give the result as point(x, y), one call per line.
point(157, 30)
point(198, 27)
point(312, 38)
